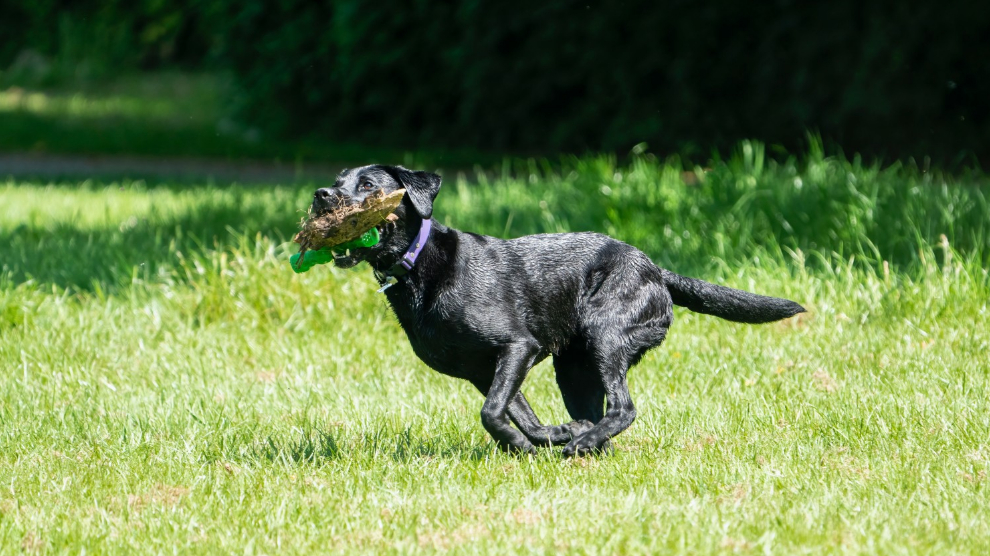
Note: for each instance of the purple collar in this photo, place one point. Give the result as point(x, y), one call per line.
point(408, 260)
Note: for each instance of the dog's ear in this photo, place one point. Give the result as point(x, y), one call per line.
point(421, 188)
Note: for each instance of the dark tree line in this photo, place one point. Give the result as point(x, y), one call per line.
point(906, 78)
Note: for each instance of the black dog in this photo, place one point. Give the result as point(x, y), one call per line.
point(487, 310)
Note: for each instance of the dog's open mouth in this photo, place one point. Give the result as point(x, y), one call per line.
point(350, 257)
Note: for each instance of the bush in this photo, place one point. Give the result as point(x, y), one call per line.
point(900, 79)
point(51, 39)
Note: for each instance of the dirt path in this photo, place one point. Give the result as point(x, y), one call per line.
point(58, 166)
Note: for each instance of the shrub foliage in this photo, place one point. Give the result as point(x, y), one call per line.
point(886, 79)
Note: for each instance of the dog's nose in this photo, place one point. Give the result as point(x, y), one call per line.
point(323, 194)
point(325, 198)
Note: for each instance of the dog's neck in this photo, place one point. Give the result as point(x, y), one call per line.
point(407, 262)
point(402, 252)
point(409, 294)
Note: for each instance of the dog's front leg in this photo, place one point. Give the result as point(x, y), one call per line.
point(537, 433)
point(513, 364)
point(525, 418)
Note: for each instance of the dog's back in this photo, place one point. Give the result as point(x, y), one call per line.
point(555, 286)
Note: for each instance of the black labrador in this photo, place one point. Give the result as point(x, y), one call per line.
point(487, 309)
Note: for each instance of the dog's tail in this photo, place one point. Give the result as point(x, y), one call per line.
point(727, 303)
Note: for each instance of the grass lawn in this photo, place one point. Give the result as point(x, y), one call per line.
point(169, 385)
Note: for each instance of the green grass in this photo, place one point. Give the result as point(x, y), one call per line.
point(169, 385)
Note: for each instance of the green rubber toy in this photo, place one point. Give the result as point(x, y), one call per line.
point(323, 256)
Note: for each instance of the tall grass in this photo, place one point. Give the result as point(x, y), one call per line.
point(744, 208)
point(738, 208)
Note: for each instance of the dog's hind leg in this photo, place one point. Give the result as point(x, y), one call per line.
point(619, 413)
point(582, 390)
point(604, 364)
point(628, 314)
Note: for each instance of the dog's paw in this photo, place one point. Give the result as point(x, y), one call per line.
point(523, 449)
point(575, 429)
point(580, 447)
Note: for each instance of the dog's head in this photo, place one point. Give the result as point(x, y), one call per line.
point(355, 185)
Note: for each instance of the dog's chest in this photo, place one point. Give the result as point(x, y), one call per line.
point(449, 339)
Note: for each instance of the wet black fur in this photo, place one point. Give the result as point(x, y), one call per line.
point(487, 310)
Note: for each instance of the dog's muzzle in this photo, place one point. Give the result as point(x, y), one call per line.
point(326, 199)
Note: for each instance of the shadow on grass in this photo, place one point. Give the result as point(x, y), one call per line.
point(136, 136)
point(139, 248)
point(318, 446)
point(311, 447)
point(407, 445)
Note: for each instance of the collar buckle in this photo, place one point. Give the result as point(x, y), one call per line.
point(389, 282)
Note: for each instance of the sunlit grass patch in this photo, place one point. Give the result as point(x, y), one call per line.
point(177, 98)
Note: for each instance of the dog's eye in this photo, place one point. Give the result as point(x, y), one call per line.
point(367, 186)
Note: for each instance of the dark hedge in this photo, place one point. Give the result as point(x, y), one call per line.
point(890, 79)
point(102, 37)
point(884, 78)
